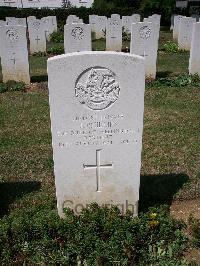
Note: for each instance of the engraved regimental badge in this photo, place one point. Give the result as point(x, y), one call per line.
point(12, 35)
point(97, 88)
point(145, 32)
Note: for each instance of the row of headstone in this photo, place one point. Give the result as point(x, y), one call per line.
point(182, 31)
point(13, 48)
point(144, 38)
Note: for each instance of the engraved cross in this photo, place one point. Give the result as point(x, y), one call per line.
point(37, 39)
point(98, 168)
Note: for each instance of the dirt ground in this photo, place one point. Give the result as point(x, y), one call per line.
point(182, 210)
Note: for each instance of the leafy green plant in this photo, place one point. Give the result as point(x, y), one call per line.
point(182, 80)
point(40, 54)
point(57, 37)
point(125, 36)
point(11, 86)
point(56, 50)
point(99, 236)
point(170, 47)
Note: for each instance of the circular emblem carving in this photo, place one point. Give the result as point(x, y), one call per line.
point(145, 32)
point(36, 25)
point(77, 33)
point(97, 88)
point(12, 35)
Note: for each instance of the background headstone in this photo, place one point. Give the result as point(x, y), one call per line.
point(49, 27)
point(37, 36)
point(194, 62)
point(77, 37)
point(177, 19)
point(98, 25)
point(73, 19)
point(144, 42)
point(14, 59)
point(96, 105)
point(114, 35)
point(185, 33)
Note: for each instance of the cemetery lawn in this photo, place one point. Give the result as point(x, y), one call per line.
point(170, 159)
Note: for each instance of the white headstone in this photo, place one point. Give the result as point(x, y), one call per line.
point(73, 19)
point(115, 16)
point(177, 19)
point(37, 36)
point(11, 21)
point(53, 21)
point(14, 60)
point(114, 35)
point(185, 33)
point(96, 105)
point(77, 37)
point(2, 23)
point(98, 25)
point(172, 22)
point(136, 17)
point(49, 27)
point(194, 62)
point(144, 42)
point(30, 18)
point(127, 22)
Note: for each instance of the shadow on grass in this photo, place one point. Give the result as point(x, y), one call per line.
point(163, 74)
point(41, 78)
point(156, 190)
point(9, 192)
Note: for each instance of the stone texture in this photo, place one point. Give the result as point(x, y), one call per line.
point(194, 62)
point(114, 35)
point(185, 33)
point(96, 105)
point(144, 42)
point(14, 60)
point(37, 36)
point(77, 37)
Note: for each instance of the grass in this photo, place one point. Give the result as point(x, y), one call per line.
point(170, 145)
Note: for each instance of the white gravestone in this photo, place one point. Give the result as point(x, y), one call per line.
point(172, 22)
point(53, 21)
point(49, 27)
point(136, 17)
point(194, 62)
point(127, 21)
point(144, 42)
point(77, 37)
point(185, 33)
point(30, 18)
point(177, 19)
point(14, 60)
point(96, 105)
point(115, 16)
point(114, 35)
point(2, 23)
point(98, 25)
point(37, 36)
point(73, 19)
